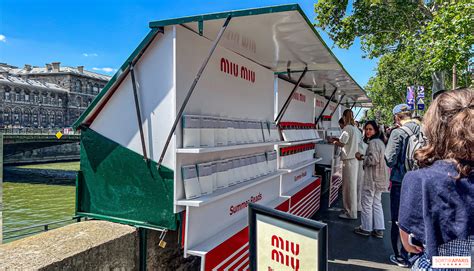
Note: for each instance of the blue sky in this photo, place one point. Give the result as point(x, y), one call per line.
point(100, 35)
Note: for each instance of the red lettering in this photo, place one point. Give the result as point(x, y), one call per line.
point(241, 206)
point(236, 70)
point(233, 69)
point(224, 65)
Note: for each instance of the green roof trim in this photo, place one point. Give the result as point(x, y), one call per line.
point(118, 75)
point(224, 15)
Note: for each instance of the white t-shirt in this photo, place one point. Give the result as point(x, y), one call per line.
point(350, 138)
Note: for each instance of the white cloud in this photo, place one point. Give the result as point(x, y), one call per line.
point(3, 38)
point(106, 69)
point(89, 54)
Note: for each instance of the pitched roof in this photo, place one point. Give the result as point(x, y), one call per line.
point(63, 69)
point(19, 81)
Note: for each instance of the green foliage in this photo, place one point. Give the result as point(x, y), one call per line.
point(411, 38)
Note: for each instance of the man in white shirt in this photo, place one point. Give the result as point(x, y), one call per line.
point(349, 142)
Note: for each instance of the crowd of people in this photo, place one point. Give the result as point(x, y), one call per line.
point(427, 167)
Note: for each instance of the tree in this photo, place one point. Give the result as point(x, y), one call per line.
point(411, 38)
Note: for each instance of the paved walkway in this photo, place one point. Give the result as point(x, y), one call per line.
point(351, 252)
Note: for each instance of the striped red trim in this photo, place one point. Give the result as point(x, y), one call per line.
point(336, 183)
point(183, 228)
point(284, 207)
point(223, 252)
point(233, 253)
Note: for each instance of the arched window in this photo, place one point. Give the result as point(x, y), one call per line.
point(17, 95)
point(96, 89)
point(79, 101)
point(16, 116)
point(7, 116)
point(34, 118)
point(53, 99)
point(26, 117)
point(7, 95)
point(59, 119)
point(44, 119)
point(45, 98)
point(36, 97)
point(77, 86)
point(51, 119)
point(27, 96)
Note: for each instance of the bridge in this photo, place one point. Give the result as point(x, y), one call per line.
point(17, 142)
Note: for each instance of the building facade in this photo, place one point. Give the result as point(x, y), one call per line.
point(46, 97)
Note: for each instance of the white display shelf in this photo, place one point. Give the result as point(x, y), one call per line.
point(222, 193)
point(204, 247)
point(293, 143)
point(300, 165)
point(226, 148)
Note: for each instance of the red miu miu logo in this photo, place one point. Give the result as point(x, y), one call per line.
point(233, 69)
point(285, 258)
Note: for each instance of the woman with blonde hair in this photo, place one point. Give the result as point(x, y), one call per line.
point(437, 201)
point(349, 141)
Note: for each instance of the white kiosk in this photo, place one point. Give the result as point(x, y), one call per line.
point(232, 77)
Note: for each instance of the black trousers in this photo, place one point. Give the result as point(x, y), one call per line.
point(397, 246)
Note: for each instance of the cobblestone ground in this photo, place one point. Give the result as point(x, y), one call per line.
point(351, 252)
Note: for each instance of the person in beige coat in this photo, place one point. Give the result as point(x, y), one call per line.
point(349, 142)
point(375, 182)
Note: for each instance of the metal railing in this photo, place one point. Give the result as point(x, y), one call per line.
point(30, 230)
point(38, 131)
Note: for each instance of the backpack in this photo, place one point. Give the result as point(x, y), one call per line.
point(413, 143)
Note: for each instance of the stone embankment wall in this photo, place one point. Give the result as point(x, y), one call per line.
point(93, 245)
point(49, 154)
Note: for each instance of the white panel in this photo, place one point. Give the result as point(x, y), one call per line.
point(155, 79)
point(319, 104)
point(292, 180)
point(206, 221)
point(218, 94)
point(301, 108)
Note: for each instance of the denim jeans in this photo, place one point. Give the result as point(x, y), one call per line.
point(394, 209)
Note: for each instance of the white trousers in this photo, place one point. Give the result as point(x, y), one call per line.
point(349, 186)
point(372, 211)
point(360, 181)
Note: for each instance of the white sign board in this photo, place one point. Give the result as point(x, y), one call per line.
point(281, 241)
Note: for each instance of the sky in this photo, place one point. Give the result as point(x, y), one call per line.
point(101, 34)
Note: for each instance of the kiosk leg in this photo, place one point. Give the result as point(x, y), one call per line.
point(142, 248)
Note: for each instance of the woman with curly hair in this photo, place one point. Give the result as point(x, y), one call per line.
point(437, 201)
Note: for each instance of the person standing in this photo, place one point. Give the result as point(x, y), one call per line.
point(360, 172)
point(349, 142)
point(437, 201)
point(375, 182)
point(395, 158)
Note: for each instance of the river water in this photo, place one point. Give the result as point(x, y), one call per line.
point(26, 204)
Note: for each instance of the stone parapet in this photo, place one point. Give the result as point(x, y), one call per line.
point(92, 245)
